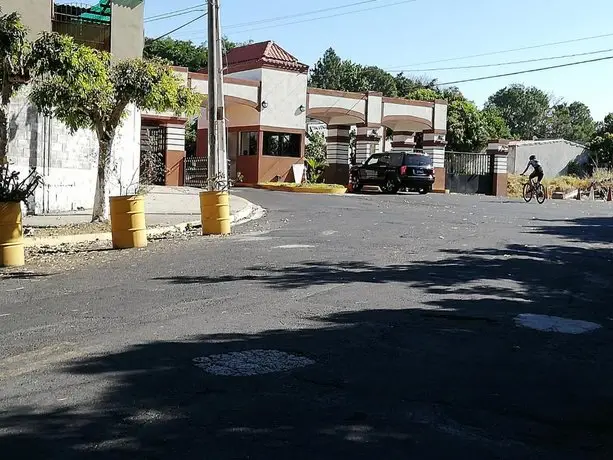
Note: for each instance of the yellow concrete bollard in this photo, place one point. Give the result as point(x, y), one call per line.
point(11, 235)
point(215, 213)
point(128, 224)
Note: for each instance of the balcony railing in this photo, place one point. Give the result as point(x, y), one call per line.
point(90, 26)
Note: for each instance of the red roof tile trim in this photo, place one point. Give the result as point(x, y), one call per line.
point(264, 54)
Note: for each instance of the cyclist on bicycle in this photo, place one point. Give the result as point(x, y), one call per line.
point(538, 169)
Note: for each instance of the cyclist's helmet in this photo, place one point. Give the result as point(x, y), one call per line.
point(532, 157)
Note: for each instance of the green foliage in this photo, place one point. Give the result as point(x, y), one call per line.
point(12, 189)
point(572, 122)
point(315, 157)
point(332, 72)
point(85, 89)
point(468, 128)
point(191, 134)
point(524, 109)
point(602, 143)
point(494, 124)
point(15, 63)
point(183, 53)
point(315, 170)
point(14, 55)
point(316, 148)
point(178, 52)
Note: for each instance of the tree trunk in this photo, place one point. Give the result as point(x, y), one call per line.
point(4, 130)
point(101, 198)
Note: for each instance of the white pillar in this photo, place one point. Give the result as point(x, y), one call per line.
point(337, 142)
point(434, 145)
point(403, 141)
point(367, 142)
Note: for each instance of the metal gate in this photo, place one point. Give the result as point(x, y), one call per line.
point(469, 173)
point(152, 161)
point(196, 172)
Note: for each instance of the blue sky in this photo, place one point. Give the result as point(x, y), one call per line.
point(395, 35)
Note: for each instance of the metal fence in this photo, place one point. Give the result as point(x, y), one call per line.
point(469, 173)
point(467, 163)
point(196, 172)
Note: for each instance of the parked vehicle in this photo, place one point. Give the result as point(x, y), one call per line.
point(392, 171)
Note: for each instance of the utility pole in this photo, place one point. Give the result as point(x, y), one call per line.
point(218, 158)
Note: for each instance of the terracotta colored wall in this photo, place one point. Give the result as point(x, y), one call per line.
point(500, 184)
point(202, 142)
point(439, 179)
point(174, 167)
point(270, 167)
point(248, 167)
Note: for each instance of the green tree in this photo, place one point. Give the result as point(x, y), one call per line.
point(183, 53)
point(376, 79)
point(466, 131)
point(468, 128)
point(494, 124)
point(524, 109)
point(572, 122)
point(84, 89)
point(406, 85)
point(178, 52)
point(15, 64)
point(315, 157)
point(602, 143)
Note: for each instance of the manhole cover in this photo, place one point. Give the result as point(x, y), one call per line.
point(251, 362)
point(555, 324)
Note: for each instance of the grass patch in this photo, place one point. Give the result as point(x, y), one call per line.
point(305, 185)
point(515, 184)
point(305, 188)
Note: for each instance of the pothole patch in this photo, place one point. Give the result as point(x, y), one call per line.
point(548, 323)
point(251, 362)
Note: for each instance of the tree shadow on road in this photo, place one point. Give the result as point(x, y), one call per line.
point(445, 375)
point(581, 230)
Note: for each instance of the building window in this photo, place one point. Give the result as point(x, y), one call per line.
point(282, 144)
point(248, 144)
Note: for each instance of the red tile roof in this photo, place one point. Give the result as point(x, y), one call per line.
point(264, 54)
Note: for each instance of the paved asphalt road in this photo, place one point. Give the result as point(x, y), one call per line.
point(405, 304)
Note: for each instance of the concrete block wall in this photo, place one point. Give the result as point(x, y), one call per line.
point(67, 161)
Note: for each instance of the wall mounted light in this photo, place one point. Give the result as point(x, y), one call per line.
point(302, 108)
point(264, 104)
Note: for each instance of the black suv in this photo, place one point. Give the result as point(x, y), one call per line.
point(395, 170)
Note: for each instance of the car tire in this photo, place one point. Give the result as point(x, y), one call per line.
point(356, 184)
point(391, 186)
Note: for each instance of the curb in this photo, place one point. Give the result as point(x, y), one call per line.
point(322, 191)
point(247, 214)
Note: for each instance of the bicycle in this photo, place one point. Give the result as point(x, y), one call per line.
point(532, 190)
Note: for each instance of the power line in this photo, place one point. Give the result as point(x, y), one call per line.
point(491, 53)
point(328, 16)
point(296, 15)
point(179, 28)
point(500, 64)
point(322, 17)
point(526, 71)
point(174, 15)
point(200, 6)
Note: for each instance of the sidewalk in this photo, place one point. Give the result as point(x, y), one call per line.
point(163, 206)
point(166, 209)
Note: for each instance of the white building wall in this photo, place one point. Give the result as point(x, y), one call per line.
point(254, 74)
point(67, 162)
point(343, 103)
point(391, 109)
point(284, 92)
